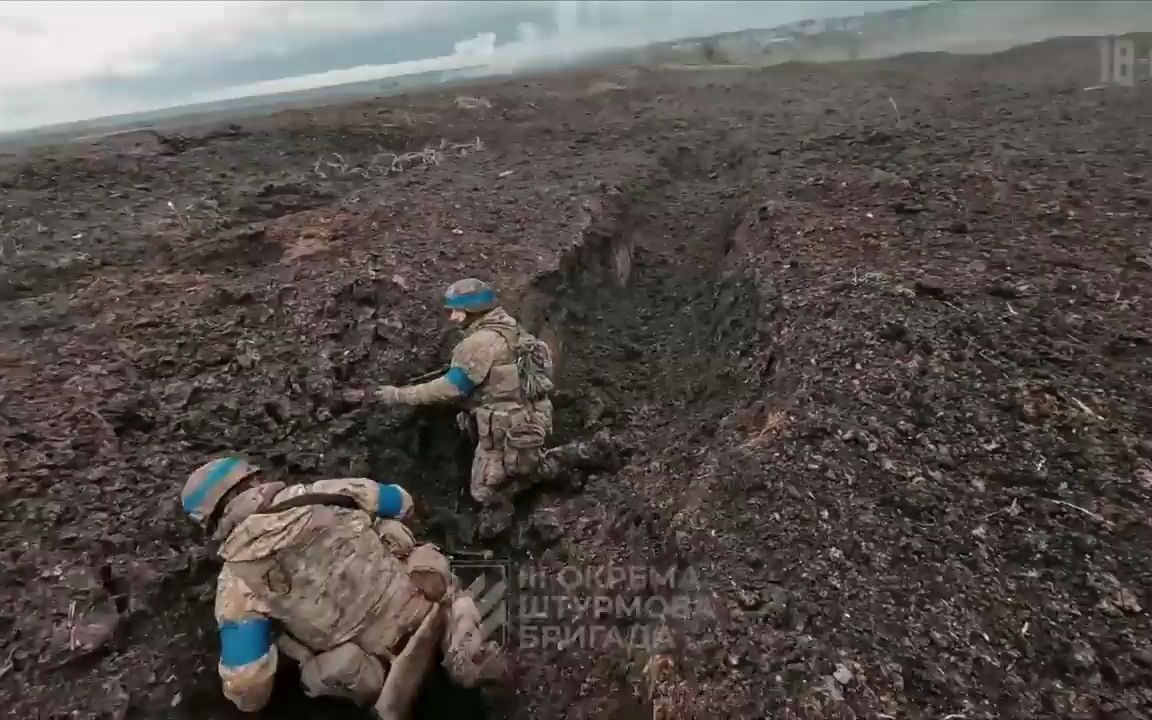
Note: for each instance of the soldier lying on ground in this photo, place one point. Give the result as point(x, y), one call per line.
point(358, 604)
point(502, 375)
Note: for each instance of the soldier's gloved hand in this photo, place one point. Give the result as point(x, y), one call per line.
point(470, 659)
point(345, 671)
point(353, 397)
point(388, 394)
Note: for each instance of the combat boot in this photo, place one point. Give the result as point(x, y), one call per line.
point(599, 454)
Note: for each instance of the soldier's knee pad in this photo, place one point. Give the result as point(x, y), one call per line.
point(345, 671)
point(488, 469)
point(481, 490)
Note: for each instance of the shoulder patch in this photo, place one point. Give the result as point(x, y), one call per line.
point(476, 354)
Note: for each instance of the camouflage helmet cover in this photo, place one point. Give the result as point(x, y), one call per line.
point(209, 483)
point(470, 295)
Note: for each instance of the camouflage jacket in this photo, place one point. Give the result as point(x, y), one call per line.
point(483, 369)
point(321, 575)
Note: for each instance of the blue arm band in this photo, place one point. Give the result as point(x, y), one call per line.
point(244, 642)
point(389, 501)
point(460, 379)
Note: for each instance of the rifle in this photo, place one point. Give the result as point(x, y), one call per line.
point(426, 376)
point(417, 379)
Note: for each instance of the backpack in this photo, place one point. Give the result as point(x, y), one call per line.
point(533, 364)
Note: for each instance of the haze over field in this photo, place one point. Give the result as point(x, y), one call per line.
point(67, 61)
point(62, 62)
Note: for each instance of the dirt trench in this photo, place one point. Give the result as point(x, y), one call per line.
point(658, 342)
point(644, 327)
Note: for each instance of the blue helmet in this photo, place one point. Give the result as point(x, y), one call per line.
point(470, 295)
point(208, 485)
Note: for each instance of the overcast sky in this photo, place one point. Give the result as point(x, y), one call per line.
point(63, 61)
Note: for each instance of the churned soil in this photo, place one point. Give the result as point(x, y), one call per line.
point(875, 338)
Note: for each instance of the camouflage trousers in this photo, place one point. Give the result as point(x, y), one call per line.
point(497, 476)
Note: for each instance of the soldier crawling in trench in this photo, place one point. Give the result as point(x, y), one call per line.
point(502, 376)
point(359, 605)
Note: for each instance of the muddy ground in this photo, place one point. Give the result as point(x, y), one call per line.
point(877, 338)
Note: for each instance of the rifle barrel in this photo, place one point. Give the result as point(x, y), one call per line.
point(426, 376)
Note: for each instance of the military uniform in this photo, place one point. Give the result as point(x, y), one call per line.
point(483, 375)
point(359, 604)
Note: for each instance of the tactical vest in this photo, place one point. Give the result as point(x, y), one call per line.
point(503, 382)
point(327, 576)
